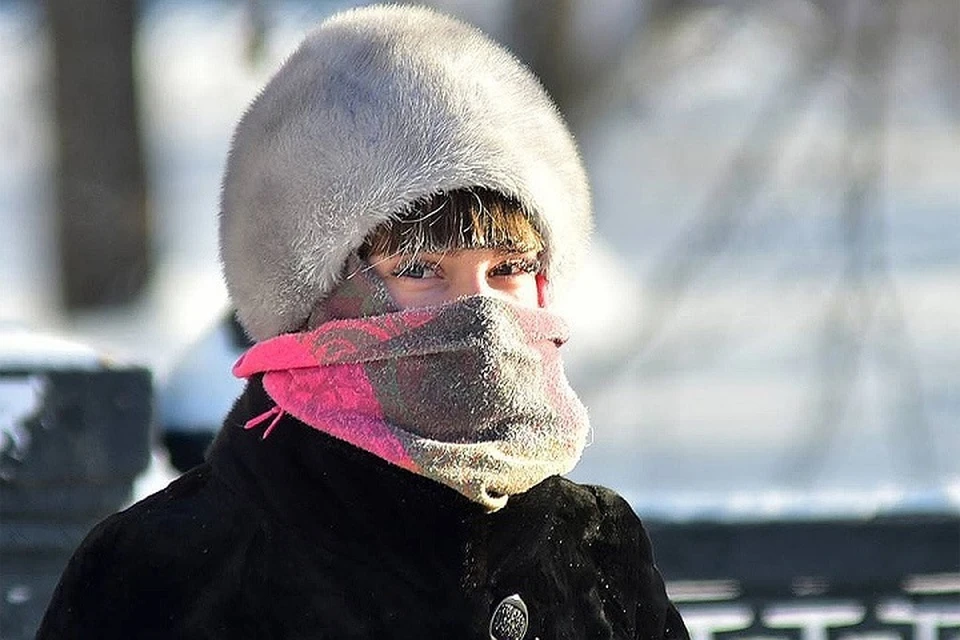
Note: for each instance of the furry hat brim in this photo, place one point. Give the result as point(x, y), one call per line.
point(379, 108)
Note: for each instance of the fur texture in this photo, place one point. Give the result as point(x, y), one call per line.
point(381, 107)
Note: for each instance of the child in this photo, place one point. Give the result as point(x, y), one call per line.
point(399, 204)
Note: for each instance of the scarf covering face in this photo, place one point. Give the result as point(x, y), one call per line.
point(471, 394)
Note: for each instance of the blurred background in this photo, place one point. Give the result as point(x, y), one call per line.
point(772, 310)
point(769, 324)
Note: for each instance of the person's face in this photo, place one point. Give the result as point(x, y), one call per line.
point(430, 279)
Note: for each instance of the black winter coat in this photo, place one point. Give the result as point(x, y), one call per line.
point(303, 536)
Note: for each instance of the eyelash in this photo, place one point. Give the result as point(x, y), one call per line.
point(520, 265)
point(517, 266)
point(405, 268)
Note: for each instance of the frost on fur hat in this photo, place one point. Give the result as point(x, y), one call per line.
point(379, 108)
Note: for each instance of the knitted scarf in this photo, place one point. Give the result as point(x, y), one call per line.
point(471, 394)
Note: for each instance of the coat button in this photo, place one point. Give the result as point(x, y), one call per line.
point(509, 620)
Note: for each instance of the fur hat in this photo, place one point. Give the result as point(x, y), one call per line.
point(379, 108)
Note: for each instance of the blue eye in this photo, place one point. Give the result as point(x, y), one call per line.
point(415, 269)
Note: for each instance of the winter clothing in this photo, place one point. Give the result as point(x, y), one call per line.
point(186, 449)
point(380, 108)
point(304, 536)
point(471, 394)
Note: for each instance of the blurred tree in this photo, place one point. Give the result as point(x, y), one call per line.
point(101, 188)
point(544, 34)
point(256, 26)
point(541, 36)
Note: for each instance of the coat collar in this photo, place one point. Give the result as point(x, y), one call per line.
point(355, 504)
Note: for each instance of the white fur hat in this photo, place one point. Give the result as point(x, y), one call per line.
point(379, 108)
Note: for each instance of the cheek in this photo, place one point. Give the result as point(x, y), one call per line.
point(406, 296)
point(414, 294)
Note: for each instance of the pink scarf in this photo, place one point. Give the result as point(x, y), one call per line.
point(471, 394)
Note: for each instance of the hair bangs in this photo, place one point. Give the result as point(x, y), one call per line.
point(455, 221)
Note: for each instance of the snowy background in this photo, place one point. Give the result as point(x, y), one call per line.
point(743, 342)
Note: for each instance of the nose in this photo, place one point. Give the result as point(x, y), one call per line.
point(472, 282)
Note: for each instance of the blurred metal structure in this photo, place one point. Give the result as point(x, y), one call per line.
point(889, 578)
point(74, 433)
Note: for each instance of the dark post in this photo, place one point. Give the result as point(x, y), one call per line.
point(101, 192)
point(541, 37)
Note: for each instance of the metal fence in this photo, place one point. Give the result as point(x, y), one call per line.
point(892, 577)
